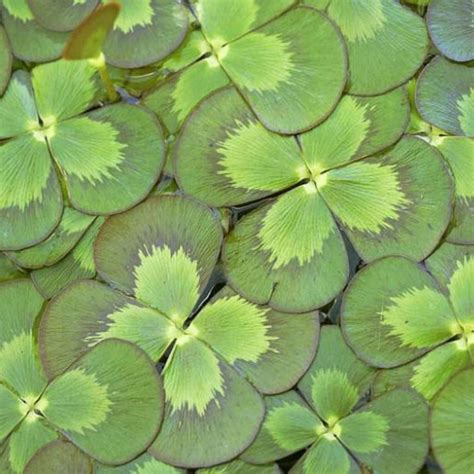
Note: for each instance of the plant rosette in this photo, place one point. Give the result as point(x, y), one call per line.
point(107, 159)
point(417, 321)
point(218, 355)
point(331, 417)
point(288, 252)
point(276, 54)
point(109, 410)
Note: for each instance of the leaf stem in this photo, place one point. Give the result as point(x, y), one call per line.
point(101, 66)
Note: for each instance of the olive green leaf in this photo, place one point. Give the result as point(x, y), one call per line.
point(386, 42)
point(452, 424)
point(109, 158)
point(54, 456)
point(144, 464)
point(240, 467)
point(97, 390)
point(279, 253)
point(162, 253)
point(29, 40)
point(71, 228)
point(145, 32)
point(61, 15)
point(5, 60)
point(394, 313)
point(78, 264)
point(8, 270)
point(336, 424)
point(451, 28)
point(275, 58)
point(458, 152)
point(445, 96)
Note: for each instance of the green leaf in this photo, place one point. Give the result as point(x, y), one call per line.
point(30, 196)
point(87, 40)
point(458, 151)
point(238, 467)
point(222, 174)
point(24, 442)
point(279, 253)
point(451, 29)
point(452, 426)
point(5, 60)
point(461, 294)
point(78, 264)
point(272, 350)
point(63, 89)
point(336, 363)
point(109, 409)
point(152, 227)
point(8, 270)
point(333, 395)
point(54, 456)
point(10, 412)
point(30, 41)
point(20, 370)
point(401, 429)
point(283, 66)
point(145, 33)
point(393, 312)
point(386, 43)
point(17, 107)
point(71, 228)
point(145, 464)
point(445, 96)
point(125, 149)
point(408, 211)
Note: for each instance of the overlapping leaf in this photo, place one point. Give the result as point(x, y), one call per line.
point(288, 252)
point(336, 426)
point(413, 317)
point(110, 410)
point(109, 158)
point(163, 256)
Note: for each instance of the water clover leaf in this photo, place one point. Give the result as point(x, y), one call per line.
point(5, 60)
point(157, 259)
point(146, 31)
point(78, 264)
point(445, 96)
point(458, 152)
point(451, 424)
point(386, 42)
point(336, 424)
point(98, 153)
point(275, 65)
point(451, 28)
point(413, 317)
point(52, 458)
point(61, 15)
point(108, 409)
point(8, 270)
point(239, 467)
point(279, 253)
point(28, 39)
point(144, 464)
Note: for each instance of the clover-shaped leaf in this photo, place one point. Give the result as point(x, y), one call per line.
point(108, 409)
point(144, 464)
point(109, 158)
point(337, 425)
point(276, 60)
point(394, 313)
point(145, 31)
point(29, 40)
point(217, 354)
point(451, 28)
point(240, 467)
point(5, 60)
point(445, 96)
point(289, 252)
point(452, 424)
point(386, 42)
